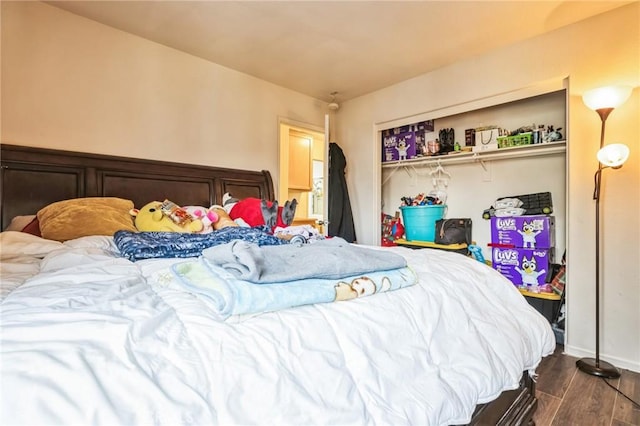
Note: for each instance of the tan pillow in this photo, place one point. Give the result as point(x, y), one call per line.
point(81, 217)
point(18, 223)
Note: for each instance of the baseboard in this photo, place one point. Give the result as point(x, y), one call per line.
point(617, 362)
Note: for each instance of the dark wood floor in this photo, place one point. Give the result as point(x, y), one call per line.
point(567, 396)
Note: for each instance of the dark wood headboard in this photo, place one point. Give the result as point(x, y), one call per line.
point(31, 178)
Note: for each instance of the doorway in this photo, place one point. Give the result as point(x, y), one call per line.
point(303, 168)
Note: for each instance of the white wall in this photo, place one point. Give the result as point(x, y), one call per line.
point(71, 83)
point(598, 51)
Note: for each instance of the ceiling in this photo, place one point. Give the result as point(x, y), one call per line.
point(350, 47)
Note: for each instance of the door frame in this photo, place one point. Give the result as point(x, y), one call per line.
point(283, 156)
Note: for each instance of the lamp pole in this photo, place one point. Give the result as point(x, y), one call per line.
point(603, 113)
point(595, 366)
point(603, 100)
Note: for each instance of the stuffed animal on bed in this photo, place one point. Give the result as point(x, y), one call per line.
point(208, 216)
point(165, 216)
point(223, 220)
point(256, 211)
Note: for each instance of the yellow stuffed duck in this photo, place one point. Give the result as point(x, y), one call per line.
point(165, 216)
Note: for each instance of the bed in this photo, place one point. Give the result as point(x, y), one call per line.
point(90, 337)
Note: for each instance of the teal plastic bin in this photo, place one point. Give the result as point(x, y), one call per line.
point(420, 221)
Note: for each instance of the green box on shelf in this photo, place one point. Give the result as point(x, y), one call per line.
point(516, 140)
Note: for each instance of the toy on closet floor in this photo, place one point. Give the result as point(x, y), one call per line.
point(392, 229)
point(476, 252)
point(438, 195)
point(420, 200)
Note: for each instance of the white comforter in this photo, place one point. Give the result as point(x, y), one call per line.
point(93, 338)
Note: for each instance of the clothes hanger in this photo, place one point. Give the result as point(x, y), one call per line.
point(441, 171)
point(439, 175)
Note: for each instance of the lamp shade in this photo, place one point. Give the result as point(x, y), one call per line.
point(613, 155)
point(606, 97)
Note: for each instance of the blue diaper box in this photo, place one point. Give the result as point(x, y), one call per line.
point(524, 231)
point(526, 268)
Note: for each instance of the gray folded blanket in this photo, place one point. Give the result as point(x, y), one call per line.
point(332, 258)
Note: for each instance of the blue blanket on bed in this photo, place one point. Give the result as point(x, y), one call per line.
point(232, 296)
point(332, 258)
point(151, 245)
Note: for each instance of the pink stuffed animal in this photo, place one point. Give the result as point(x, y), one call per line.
point(207, 216)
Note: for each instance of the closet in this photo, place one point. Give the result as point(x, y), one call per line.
point(477, 179)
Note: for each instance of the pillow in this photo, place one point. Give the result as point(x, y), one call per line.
point(33, 227)
point(94, 241)
point(18, 223)
point(15, 244)
point(81, 217)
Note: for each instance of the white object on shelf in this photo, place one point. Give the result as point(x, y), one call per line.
point(486, 147)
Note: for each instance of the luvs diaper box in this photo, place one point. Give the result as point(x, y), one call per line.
point(532, 232)
point(398, 145)
point(525, 268)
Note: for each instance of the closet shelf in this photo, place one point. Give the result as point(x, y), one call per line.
point(538, 150)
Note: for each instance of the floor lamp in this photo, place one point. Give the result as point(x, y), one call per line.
point(603, 100)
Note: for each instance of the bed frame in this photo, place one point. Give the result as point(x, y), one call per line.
point(32, 178)
point(35, 177)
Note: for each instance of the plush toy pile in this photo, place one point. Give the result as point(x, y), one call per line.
point(166, 216)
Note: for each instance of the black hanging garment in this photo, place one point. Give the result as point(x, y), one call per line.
point(340, 216)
